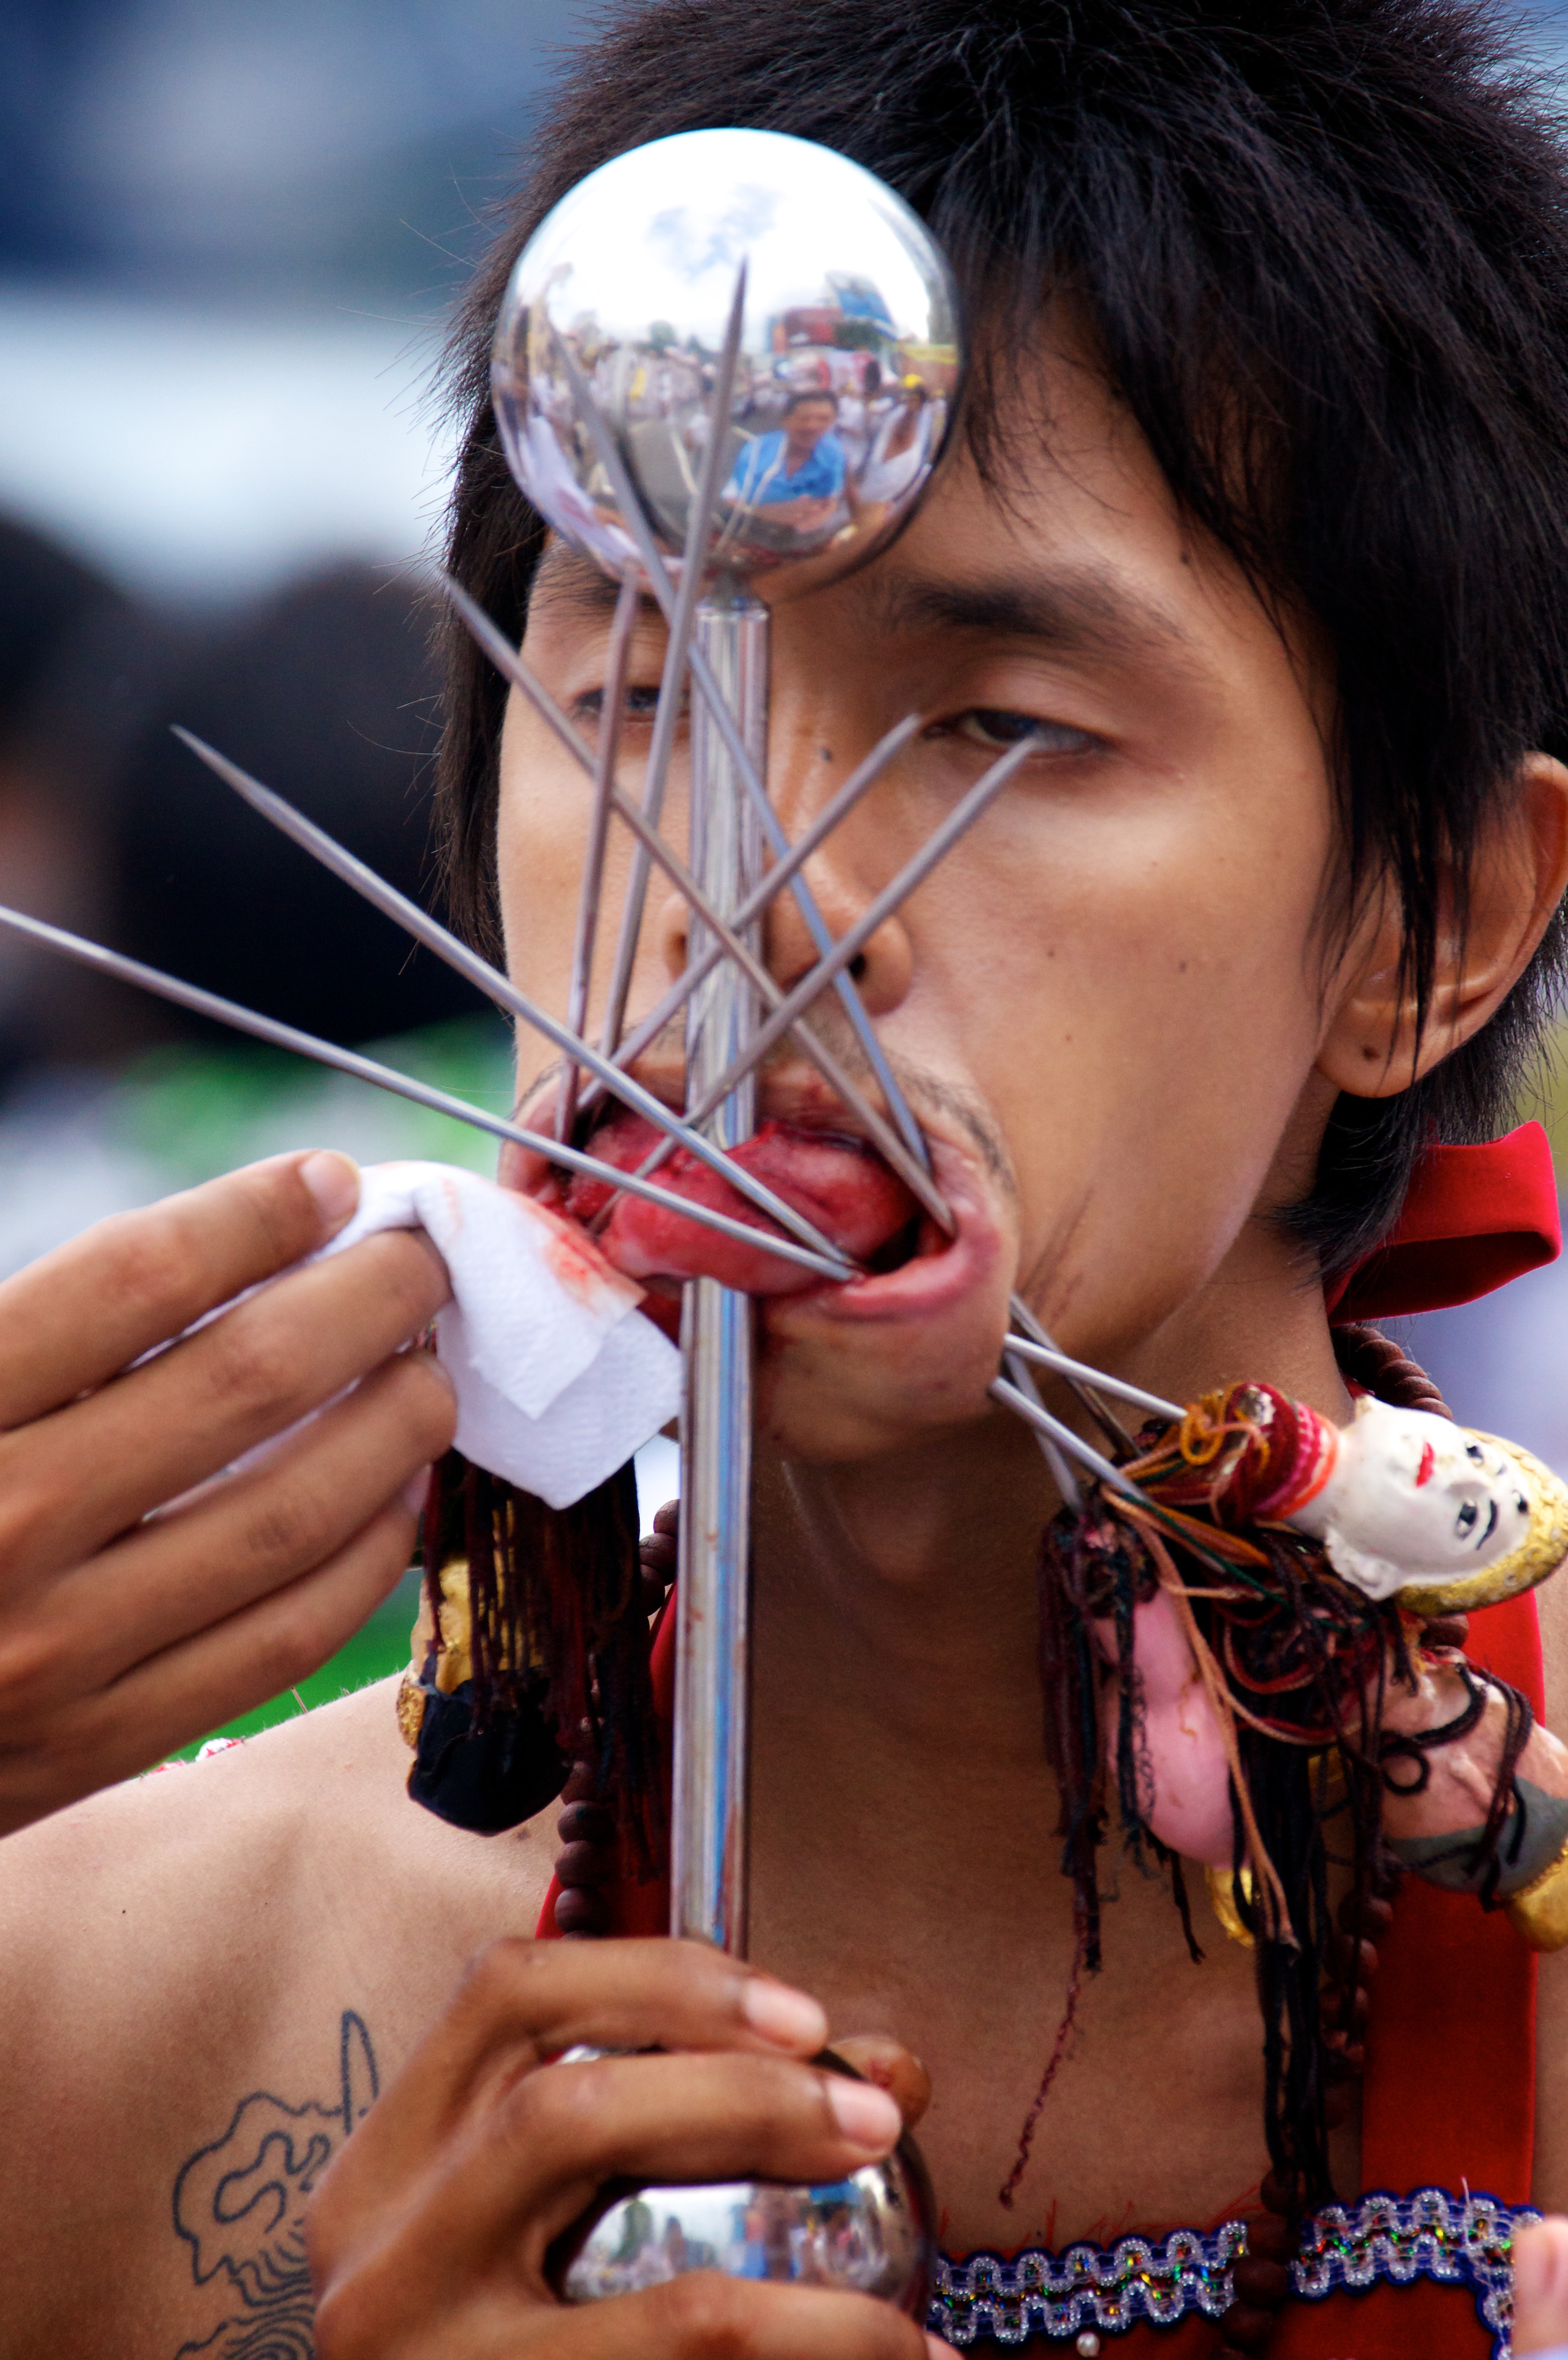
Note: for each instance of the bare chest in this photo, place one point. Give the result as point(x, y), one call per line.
point(1152, 2069)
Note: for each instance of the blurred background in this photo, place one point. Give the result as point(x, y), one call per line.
point(230, 235)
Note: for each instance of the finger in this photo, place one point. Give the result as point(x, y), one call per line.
point(74, 1480)
point(876, 2058)
point(91, 1307)
point(183, 1694)
point(1540, 2287)
point(235, 1541)
point(522, 2002)
point(536, 2147)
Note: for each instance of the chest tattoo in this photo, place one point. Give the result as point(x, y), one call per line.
point(239, 2205)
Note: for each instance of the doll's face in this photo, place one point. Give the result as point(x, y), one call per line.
point(1413, 1496)
point(1104, 1005)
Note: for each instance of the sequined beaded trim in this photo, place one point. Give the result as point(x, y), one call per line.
point(1467, 2239)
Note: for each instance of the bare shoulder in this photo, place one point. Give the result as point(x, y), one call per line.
point(308, 1831)
point(208, 1972)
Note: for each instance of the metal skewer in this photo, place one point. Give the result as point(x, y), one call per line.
point(383, 1077)
point(499, 987)
point(723, 938)
point(1012, 1397)
point(612, 711)
point(671, 687)
point(1048, 1356)
point(729, 941)
point(915, 871)
point(1110, 1426)
point(1061, 1466)
point(859, 780)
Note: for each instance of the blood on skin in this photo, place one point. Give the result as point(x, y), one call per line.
point(841, 1184)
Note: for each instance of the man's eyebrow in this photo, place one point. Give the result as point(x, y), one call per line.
point(1076, 612)
point(571, 584)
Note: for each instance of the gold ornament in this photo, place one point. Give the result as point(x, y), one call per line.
point(1539, 1913)
point(1221, 1884)
point(453, 1661)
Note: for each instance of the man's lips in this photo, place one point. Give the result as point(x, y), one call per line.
point(842, 1185)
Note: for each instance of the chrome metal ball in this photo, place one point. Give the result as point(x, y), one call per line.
point(870, 2234)
point(846, 379)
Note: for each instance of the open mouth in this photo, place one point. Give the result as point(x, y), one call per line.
point(838, 1183)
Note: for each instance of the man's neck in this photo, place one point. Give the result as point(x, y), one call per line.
point(895, 1596)
point(904, 1821)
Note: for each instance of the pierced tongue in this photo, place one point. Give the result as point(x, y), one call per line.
point(845, 1188)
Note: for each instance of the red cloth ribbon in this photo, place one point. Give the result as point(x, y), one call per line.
point(1475, 1218)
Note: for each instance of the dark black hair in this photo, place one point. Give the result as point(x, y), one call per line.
point(811, 393)
point(1323, 247)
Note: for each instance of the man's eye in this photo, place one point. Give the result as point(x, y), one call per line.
point(991, 726)
point(642, 702)
point(1464, 1521)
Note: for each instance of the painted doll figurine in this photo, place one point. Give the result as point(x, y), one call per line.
point(1410, 1505)
point(1412, 1511)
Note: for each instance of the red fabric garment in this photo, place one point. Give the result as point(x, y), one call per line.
point(1475, 1218)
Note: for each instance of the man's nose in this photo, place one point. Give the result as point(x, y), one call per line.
point(843, 877)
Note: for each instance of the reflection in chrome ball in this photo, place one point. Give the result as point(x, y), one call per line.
point(848, 367)
point(871, 2233)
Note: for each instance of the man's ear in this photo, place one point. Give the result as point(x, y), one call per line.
point(1369, 1048)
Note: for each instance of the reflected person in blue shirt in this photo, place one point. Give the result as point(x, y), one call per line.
point(797, 472)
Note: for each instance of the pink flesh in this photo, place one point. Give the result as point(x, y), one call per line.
point(845, 1188)
point(1185, 1776)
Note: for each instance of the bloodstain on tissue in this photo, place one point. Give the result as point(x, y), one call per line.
point(569, 1253)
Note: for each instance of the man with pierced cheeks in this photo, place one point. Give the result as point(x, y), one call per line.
point(1257, 531)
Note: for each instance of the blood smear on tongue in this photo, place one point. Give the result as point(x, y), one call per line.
point(844, 1187)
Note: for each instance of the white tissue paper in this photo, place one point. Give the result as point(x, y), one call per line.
point(559, 1376)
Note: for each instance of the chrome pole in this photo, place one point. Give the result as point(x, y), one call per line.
point(708, 1879)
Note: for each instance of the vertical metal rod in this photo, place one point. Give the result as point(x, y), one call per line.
point(708, 1881)
point(672, 684)
point(612, 708)
point(750, 772)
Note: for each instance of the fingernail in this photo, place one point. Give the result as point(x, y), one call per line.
point(868, 2116)
point(416, 1492)
point(334, 1181)
point(782, 2015)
